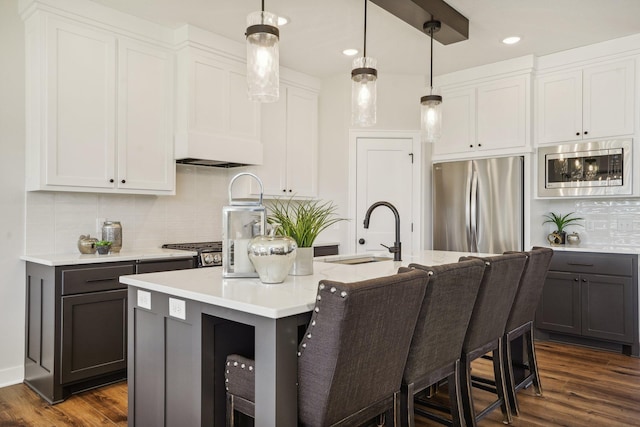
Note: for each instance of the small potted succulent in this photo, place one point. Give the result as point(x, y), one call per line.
point(103, 247)
point(559, 236)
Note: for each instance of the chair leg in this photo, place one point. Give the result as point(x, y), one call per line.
point(498, 371)
point(407, 406)
point(457, 416)
point(533, 363)
point(230, 411)
point(397, 410)
point(510, 380)
point(466, 397)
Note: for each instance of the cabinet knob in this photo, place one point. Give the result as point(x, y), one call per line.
point(586, 132)
point(470, 145)
point(284, 190)
point(479, 145)
point(577, 133)
point(123, 181)
point(575, 280)
point(290, 190)
point(361, 241)
point(584, 280)
point(111, 180)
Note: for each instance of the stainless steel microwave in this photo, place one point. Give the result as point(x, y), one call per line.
point(597, 168)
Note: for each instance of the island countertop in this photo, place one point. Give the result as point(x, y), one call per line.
point(294, 296)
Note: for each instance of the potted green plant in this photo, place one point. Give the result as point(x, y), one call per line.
point(559, 236)
point(303, 221)
point(103, 247)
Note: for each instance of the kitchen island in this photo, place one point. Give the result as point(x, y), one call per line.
point(182, 324)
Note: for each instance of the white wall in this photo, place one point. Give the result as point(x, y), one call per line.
point(398, 109)
point(12, 136)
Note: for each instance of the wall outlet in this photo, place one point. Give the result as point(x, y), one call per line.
point(625, 224)
point(177, 308)
point(144, 299)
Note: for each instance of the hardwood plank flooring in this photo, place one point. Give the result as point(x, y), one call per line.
point(582, 387)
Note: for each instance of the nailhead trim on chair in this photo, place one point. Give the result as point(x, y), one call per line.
point(235, 365)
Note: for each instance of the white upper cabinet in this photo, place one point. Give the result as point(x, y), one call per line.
point(485, 118)
point(290, 137)
point(593, 102)
point(216, 121)
point(99, 110)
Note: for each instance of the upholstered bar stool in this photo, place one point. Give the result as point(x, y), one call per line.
point(435, 349)
point(520, 323)
point(352, 356)
point(486, 329)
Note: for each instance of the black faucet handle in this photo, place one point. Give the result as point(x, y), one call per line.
point(392, 249)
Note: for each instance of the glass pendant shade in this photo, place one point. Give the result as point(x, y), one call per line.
point(363, 92)
point(263, 57)
point(431, 117)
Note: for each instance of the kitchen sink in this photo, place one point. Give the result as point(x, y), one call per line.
point(359, 260)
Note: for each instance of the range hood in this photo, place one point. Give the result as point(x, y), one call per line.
point(216, 151)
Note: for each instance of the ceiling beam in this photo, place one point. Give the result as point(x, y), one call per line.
point(455, 27)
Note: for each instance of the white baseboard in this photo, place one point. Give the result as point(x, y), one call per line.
point(11, 376)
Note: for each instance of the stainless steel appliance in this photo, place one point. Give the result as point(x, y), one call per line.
point(478, 205)
point(209, 253)
point(597, 168)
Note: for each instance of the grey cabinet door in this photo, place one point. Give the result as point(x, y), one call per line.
point(559, 307)
point(607, 307)
point(94, 334)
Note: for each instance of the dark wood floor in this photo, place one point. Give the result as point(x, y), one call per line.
point(582, 387)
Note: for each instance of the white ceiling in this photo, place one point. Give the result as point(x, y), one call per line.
point(321, 29)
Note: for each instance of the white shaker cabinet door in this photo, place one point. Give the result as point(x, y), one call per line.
point(458, 122)
point(302, 143)
point(559, 113)
point(145, 117)
point(608, 94)
point(80, 109)
point(502, 114)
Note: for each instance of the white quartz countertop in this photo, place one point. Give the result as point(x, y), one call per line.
point(54, 260)
point(294, 296)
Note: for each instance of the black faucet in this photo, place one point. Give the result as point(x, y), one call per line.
point(396, 249)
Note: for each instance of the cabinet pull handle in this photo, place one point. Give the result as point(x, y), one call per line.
point(578, 263)
point(104, 279)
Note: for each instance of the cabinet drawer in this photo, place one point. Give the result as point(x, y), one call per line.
point(156, 266)
point(92, 279)
point(587, 262)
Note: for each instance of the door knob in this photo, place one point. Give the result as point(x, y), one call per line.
point(361, 241)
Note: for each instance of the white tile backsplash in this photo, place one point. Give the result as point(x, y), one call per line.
point(55, 220)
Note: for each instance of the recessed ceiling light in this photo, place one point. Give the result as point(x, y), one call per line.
point(282, 20)
point(350, 52)
point(511, 40)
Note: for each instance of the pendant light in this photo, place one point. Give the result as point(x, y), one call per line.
point(431, 108)
point(263, 73)
point(363, 85)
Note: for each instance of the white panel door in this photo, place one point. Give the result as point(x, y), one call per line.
point(608, 100)
point(502, 114)
point(145, 117)
point(559, 107)
point(80, 141)
point(458, 122)
point(384, 173)
point(302, 143)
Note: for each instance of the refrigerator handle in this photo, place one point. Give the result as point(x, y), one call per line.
point(467, 209)
point(473, 211)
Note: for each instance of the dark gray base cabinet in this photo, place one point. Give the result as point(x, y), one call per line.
point(76, 325)
point(591, 299)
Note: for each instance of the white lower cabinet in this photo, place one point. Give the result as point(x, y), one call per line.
point(99, 110)
point(290, 138)
point(486, 118)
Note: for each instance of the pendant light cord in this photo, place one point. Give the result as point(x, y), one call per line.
point(431, 62)
point(364, 53)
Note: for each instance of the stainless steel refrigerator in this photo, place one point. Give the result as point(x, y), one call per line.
point(478, 205)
